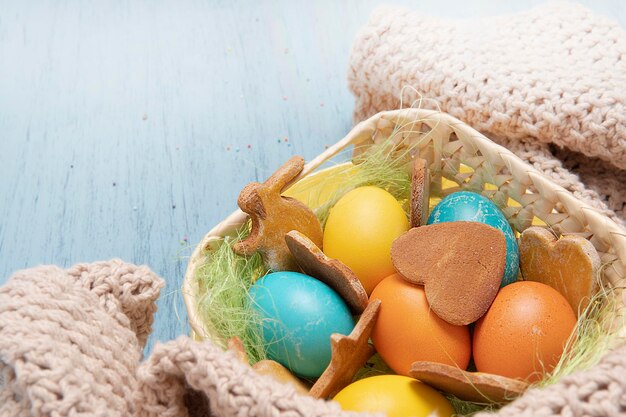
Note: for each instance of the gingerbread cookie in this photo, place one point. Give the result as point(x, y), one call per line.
point(469, 386)
point(267, 367)
point(273, 216)
point(420, 185)
point(460, 265)
point(569, 265)
point(280, 373)
point(349, 354)
point(331, 272)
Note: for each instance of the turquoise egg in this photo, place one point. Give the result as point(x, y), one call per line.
point(298, 314)
point(473, 207)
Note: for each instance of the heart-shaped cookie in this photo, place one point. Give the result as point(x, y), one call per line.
point(569, 265)
point(460, 265)
point(479, 387)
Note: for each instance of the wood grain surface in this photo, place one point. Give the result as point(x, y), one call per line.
point(128, 128)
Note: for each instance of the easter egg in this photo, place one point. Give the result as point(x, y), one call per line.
point(359, 231)
point(395, 396)
point(407, 330)
point(298, 314)
point(524, 332)
point(473, 207)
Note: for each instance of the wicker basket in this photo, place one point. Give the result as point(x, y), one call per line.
point(523, 193)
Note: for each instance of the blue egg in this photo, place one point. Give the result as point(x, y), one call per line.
point(298, 315)
point(472, 207)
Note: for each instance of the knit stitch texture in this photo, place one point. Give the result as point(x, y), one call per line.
point(71, 340)
point(553, 75)
point(70, 346)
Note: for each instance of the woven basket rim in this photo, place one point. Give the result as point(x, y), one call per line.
point(601, 226)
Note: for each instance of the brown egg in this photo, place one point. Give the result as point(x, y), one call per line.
point(524, 332)
point(407, 330)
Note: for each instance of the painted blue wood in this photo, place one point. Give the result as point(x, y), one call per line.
point(128, 128)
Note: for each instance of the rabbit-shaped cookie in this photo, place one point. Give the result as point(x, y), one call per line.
point(273, 215)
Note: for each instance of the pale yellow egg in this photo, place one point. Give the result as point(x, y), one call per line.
point(359, 232)
point(394, 395)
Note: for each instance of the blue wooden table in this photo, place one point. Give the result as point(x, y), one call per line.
point(127, 129)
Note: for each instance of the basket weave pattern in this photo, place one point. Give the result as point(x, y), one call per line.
point(524, 194)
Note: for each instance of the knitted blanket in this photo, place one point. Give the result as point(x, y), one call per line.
point(548, 84)
point(71, 340)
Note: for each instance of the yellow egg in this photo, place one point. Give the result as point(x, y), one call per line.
point(394, 395)
point(359, 232)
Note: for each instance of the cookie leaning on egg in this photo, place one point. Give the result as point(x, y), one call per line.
point(570, 265)
point(420, 185)
point(349, 354)
point(460, 265)
point(453, 268)
point(275, 295)
point(470, 386)
point(333, 273)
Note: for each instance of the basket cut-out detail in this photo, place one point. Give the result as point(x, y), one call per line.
point(448, 145)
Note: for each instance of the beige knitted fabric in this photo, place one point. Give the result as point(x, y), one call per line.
point(70, 346)
point(599, 392)
point(555, 74)
point(232, 388)
point(71, 340)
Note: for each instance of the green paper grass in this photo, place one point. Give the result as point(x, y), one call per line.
point(379, 166)
point(225, 279)
point(224, 283)
point(467, 408)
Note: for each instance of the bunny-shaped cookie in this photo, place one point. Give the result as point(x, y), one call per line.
point(273, 215)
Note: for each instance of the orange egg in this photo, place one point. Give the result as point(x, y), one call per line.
point(407, 331)
point(524, 332)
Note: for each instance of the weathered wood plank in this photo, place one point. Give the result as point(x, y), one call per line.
point(126, 127)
